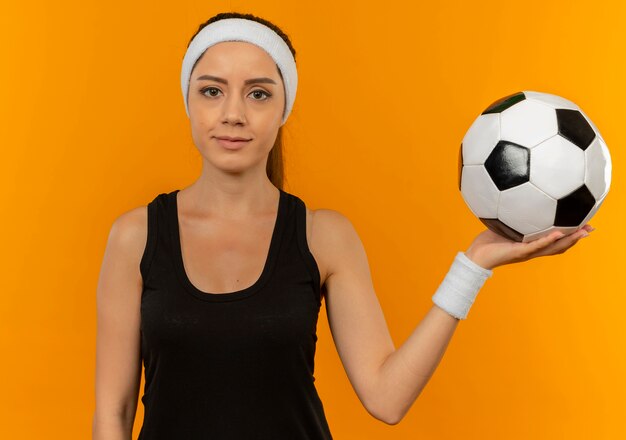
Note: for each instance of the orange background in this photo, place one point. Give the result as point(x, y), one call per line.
point(93, 124)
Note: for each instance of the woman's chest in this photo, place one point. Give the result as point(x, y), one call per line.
point(229, 258)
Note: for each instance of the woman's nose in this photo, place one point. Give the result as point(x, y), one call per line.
point(234, 110)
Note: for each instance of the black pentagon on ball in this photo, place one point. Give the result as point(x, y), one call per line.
point(508, 165)
point(572, 209)
point(503, 103)
point(574, 127)
point(501, 229)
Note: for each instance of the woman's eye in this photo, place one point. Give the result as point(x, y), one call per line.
point(209, 89)
point(262, 92)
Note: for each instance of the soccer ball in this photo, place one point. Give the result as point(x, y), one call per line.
point(532, 163)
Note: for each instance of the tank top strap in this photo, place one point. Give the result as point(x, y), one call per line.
point(303, 245)
point(157, 232)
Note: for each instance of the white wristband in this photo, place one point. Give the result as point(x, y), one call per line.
point(459, 288)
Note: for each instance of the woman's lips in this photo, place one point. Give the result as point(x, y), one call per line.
point(231, 145)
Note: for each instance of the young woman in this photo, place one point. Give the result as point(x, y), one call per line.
point(217, 287)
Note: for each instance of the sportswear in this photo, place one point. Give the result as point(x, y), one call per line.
point(459, 288)
point(237, 365)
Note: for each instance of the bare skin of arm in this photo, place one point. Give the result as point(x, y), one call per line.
point(118, 356)
point(388, 380)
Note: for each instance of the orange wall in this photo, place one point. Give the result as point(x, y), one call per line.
point(93, 124)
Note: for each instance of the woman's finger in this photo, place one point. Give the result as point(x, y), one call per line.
point(560, 245)
point(544, 242)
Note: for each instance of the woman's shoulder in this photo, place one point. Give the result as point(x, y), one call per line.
point(330, 226)
point(331, 235)
point(130, 228)
point(129, 233)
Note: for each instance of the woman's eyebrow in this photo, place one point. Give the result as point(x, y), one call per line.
point(248, 81)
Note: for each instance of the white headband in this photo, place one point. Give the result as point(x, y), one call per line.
point(240, 29)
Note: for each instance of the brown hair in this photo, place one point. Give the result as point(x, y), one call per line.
point(275, 166)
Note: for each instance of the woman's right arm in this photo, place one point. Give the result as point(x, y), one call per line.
point(118, 350)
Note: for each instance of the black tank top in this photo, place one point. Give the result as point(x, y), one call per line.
point(238, 365)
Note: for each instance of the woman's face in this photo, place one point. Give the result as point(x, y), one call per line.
point(235, 91)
